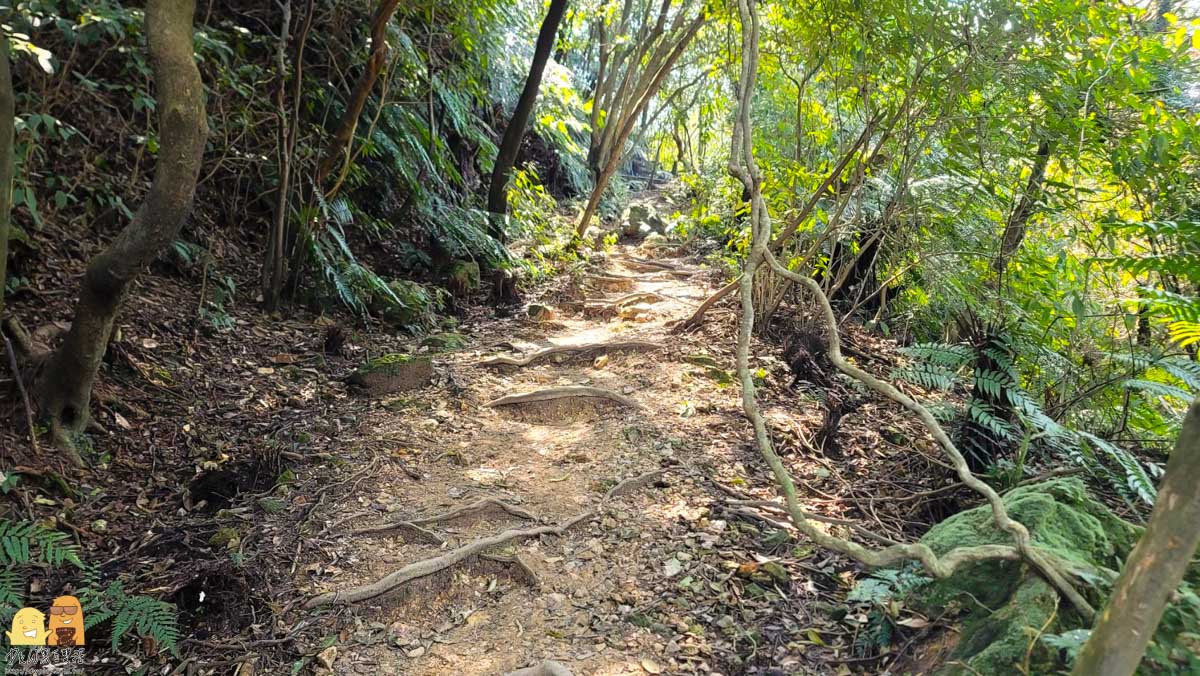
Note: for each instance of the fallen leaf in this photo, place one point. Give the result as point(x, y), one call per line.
point(914, 622)
point(672, 567)
point(652, 667)
point(326, 657)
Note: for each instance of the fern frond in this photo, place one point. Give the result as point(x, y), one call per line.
point(20, 540)
point(12, 588)
point(1159, 389)
point(1183, 368)
point(983, 414)
point(926, 375)
point(1137, 480)
point(950, 356)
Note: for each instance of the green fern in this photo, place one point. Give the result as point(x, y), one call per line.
point(25, 542)
point(928, 376)
point(146, 616)
point(985, 415)
point(1159, 389)
point(1136, 478)
point(949, 356)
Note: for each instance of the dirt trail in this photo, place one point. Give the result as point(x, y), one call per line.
point(553, 459)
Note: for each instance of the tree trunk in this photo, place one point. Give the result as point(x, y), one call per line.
point(339, 146)
point(614, 148)
point(1018, 220)
point(275, 262)
point(65, 386)
point(1154, 568)
point(511, 144)
point(7, 111)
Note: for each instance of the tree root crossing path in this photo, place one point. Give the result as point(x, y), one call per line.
point(545, 504)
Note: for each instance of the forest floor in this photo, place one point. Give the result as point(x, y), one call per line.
point(235, 475)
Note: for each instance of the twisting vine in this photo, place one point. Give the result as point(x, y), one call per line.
point(742, 166)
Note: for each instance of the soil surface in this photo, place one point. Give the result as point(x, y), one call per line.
point(233, 478)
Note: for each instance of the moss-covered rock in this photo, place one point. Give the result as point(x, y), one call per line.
point(405, 304)
point(444, 342)
point(1004, 606)
point(393, 373)
point(463, 278)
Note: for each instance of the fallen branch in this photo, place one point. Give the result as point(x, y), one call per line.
point(546, 668)
point(552, 393)
point(502, 360)
point(483, 505)
point(433, 565)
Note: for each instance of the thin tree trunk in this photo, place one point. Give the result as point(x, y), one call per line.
point(338, 150)
point(614, 149)
point(511, 144)
point(1018, 220)
point(275, 264)
point(7, 111)
point(1155, 566)
point(65, 386)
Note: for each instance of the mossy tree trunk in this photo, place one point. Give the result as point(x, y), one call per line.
point(1155, 566)
point(65, 386)
point(7, 111)
point(511, 144)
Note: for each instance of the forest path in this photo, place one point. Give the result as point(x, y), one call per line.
point(596, 584)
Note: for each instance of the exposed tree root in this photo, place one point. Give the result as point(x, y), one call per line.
point(631, 261)
point(477, 507)
point(613, 281)
point(546, 668)
point(433, 565)
point(636, 297)
point(551, 393)
point(525, 572)
point(697, 318)
point(502, 360)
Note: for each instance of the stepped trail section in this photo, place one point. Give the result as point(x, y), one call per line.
point(528, 441)
point(573, 487)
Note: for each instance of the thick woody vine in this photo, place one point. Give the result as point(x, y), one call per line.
point(743, 167)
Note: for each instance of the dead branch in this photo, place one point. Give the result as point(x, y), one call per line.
point(552, 393)
point(16, 371)
point(483, 505)
point(502, 360)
